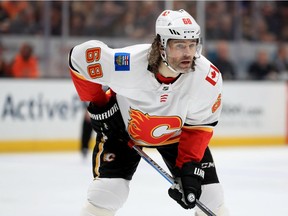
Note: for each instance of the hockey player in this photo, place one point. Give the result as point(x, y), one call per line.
point(165, 95)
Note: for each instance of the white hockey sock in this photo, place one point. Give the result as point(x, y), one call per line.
point(90, 210)
point(213, 197)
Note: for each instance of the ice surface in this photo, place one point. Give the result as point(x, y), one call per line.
point(255, 181)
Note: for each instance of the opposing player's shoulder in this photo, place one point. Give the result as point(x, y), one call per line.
point(208, 72)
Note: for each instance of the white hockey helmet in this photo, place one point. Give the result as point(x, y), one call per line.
point(176, 25)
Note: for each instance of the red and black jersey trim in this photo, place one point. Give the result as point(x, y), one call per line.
point(70, 62)
point(213, 124)
point(194, 139)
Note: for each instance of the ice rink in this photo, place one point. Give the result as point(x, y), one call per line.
point(255, 181)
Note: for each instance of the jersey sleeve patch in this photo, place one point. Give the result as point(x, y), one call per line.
point(213, 75)
point(217, 104)
point(122, 61)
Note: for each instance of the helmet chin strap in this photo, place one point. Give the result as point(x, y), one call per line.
point(198, 50)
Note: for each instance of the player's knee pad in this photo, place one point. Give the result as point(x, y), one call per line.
point(91, 210)
point(108, 193)
point(213, 197)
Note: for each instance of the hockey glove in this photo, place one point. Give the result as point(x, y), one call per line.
point(107, 120)
point(187, 186)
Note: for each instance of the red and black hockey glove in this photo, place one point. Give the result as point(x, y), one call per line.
point(187, 187)
point(107, 120)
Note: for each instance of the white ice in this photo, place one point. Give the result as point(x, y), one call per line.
point(255, 181)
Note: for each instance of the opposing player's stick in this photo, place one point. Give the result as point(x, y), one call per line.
point(169, 178)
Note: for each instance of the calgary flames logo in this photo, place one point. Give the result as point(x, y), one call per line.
point(152, 130)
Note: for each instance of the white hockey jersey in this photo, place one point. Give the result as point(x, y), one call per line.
point(154, 113)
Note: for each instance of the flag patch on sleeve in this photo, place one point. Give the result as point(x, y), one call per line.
point(122, 61)
point(213, 75)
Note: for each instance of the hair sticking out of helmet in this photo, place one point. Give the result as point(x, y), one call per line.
point(177, 25)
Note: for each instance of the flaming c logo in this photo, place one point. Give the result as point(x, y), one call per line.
point(152, 129)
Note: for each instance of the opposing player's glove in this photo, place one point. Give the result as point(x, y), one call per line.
point(187, 187)
point(107, 120)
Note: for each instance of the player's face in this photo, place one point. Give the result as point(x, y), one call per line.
point(180, 54)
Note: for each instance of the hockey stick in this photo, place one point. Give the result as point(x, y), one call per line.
point(169, 178)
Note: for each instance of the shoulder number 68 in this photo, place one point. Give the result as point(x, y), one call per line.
point(93, 56)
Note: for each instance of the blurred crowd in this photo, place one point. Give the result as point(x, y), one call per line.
point(23, 65)
point(225, 22)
